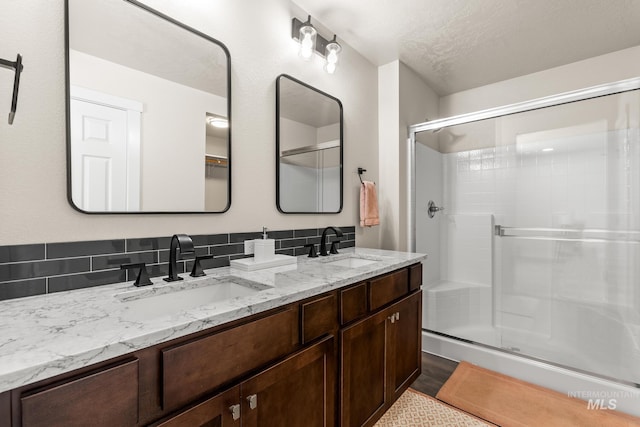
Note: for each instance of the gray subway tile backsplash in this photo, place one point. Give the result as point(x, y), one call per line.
point(85, 280)
point(146, 244)
point(35, 269)
point(307, 232)
point(110, 262)
point(19, 253)
point(23, 288)
point(76, 249)
point(241, 237)
point(291, 243)
point(283, 234)
point(210, 239)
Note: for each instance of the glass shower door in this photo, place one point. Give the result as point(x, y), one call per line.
point(537, 250)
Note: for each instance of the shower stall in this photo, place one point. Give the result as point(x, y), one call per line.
point(530, 216)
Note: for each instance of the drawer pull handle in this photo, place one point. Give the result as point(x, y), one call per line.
point(392, 318)
point(253, 401)
point(397, 316)
point(235, 412)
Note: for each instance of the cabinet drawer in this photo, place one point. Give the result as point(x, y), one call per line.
point(190, 370)
point(216, 411)
point(105, 398)
point(415, 277)
point(319, 317)
point(353, 303)
point(388, 288)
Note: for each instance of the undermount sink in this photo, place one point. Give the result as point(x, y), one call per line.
point(352, 262)
point(172, 298)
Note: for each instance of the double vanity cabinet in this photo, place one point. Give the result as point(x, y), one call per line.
point(338, 358)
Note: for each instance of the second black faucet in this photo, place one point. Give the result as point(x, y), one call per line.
point(323, 240)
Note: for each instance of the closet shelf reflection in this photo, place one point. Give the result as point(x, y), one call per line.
point(311, 148)
point(214, 160)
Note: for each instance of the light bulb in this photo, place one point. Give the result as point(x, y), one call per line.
point(306, 47)
point(307, 39)
point(331, 55)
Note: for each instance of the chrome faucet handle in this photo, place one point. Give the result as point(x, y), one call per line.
point(197, 270)
point(142, 279)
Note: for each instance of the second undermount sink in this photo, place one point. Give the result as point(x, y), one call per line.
point(352, 262)
point(169, 299)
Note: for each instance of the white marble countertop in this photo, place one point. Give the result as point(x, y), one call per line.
point(47, 335)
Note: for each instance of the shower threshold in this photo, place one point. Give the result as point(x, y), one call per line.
point(546, 374)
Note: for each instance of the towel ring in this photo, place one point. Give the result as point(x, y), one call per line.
point(360, 172)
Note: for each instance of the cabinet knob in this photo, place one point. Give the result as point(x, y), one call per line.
point(235, 412)
point(253, 401)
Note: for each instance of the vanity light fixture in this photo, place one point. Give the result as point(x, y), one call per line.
point(310, 41)
point(218, 122)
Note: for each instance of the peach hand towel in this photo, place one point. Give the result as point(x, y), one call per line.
point(369, 215)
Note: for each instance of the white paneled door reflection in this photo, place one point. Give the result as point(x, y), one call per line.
point(105, 167)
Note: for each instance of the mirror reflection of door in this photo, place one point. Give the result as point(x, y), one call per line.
point(105, 148)
point(180, 78)
point(309, 144)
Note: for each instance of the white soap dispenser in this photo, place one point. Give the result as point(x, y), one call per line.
point(264, 249)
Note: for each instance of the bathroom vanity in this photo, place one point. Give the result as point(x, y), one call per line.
point(330, 341)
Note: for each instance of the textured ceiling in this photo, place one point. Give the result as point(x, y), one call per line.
point(461, 44)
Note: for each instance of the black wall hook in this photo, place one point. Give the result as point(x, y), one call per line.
point(17, 67)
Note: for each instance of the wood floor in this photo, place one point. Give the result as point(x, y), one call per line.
point(435, 372)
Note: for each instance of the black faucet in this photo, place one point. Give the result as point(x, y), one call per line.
point(323, 239)
point(183, 243)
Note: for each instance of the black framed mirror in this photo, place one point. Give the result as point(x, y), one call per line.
point(148, 112)
point(309, 149)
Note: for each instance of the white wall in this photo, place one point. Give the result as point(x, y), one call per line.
point(623, 64)
point(388, 126)
point(403, 99)
point(32, 151)
point(296, 135)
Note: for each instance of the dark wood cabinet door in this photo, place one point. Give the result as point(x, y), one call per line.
point(222, 410)
point(404, 344)
point(299, 391)
point(362, 377)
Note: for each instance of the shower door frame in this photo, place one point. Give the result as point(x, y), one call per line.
point(519, 107)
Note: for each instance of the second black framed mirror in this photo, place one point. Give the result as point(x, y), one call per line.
point(309, 149)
